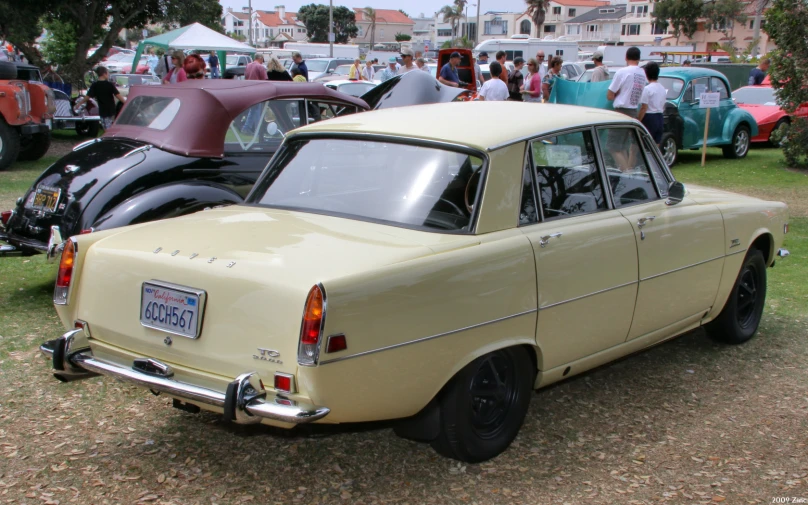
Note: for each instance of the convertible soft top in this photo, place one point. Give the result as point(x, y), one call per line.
point(208, 106)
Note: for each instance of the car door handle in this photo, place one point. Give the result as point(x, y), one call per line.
point(644, 220)
point(543, 241)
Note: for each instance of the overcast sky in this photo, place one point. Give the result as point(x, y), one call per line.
point(412, 7)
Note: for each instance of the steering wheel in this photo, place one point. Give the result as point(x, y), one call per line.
point(472, 182)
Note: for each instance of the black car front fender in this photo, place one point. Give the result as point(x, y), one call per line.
point(166, 201)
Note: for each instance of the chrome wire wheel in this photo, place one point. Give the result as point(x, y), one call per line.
point(747, 294)
point(493, 391)
point(741, 143)
point(669, 150)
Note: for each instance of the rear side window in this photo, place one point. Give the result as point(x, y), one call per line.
point(263, 126)
point(156, 112)
point(719, 87)
point(567, 175)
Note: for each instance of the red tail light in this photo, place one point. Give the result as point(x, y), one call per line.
point(65, 274)
point(312, 327)
point(5, 216)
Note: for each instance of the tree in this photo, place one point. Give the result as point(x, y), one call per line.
point(370, 16)
point(537, 10)
point(403, 37)
point(315, 17)
point(451, 15)
point(681, 15)
point(787, 26)
point(402, 11)
point(186, 12)
point(723, 14)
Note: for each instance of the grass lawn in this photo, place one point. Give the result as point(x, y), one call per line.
point(689, 421)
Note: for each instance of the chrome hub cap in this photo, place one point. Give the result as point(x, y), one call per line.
point(741, 143)
point(669, 151)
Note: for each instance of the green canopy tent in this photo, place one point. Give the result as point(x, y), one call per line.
point(194, 37)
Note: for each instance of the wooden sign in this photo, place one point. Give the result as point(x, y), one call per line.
point(707, 101)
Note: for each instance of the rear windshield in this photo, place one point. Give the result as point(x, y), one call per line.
point(673, 86)
point(154, 112)
point(400, 184)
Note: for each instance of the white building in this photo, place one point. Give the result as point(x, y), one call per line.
point(236, 22)
point(638, 27)
point(598, 26)
point(559, 12)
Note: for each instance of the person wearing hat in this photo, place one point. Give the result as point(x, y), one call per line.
point(448, 74)
point(482, 59)
point(601, 73)
point(389, 72)
point(409, 65)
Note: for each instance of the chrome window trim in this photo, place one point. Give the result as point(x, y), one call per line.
point(528, 165)
point(570, 129)
point(684, 267)
point(431, 337)
point(606, 290)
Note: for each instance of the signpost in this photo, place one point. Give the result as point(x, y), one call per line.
point(707, 101)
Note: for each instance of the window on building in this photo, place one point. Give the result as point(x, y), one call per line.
point(606, 11)
point(447, 32)
point(496, 27)
point(572, 13)
point(630, 30)
point(658, 30)
point(557, 11)
point(639, 11)
point(549, 28)
point(524, 27)
point(573, 29)
point(592, 28)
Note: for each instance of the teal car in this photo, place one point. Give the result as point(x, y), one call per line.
point(731, 127)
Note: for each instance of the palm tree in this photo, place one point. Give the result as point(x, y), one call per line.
point(370, 15)
point(461, 6)
point(537, 9)
point(451, 15)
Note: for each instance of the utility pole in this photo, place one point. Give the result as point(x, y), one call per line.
point(250, 20)
point(477, 26)
point(330, 28)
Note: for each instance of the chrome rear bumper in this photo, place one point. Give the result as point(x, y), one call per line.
point(244, 402)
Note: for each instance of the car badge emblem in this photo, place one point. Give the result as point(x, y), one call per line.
point(175, 252)
point(194, 255)
point(735, 243)
point(212, 259)
point(72, 169)
point(270, 355)
point(158, 250)
point(230, 265)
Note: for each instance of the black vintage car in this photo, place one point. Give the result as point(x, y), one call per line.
point(177, 149)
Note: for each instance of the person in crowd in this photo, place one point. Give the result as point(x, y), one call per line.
point(478, 72)
point(502, 57)
point(532, 88)
point(105, 94)
point(255, 70)
point(389, 72)
point(152, 60)
point(516, 80)
point(368, 73)
point(482, 58)
point(494, 89)
point(553, 73)
point(628, 84)
point(448, 74)
point(687, 63)
point(213, 61)
point(194, 67)
point(355, 73)
point(301, 64)
point(421, 64)
point(601, 73)
point(757, 74)
point(164, 66)
point(409, 65)
point(275, 70)
point(297, 76)
point(540, 61)
point(176, 74)
point(652, 103)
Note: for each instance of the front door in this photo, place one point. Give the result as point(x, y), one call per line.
point(680, 247)
point(586, 256)
point(719, 115)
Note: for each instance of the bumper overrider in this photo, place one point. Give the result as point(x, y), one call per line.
point(53, 249)
point(245, 400)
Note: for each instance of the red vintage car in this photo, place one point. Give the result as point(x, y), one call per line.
point(761, 102)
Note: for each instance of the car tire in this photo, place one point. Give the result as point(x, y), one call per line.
point(9, 145)
point(34, 147)
point(782, 125)
point(669, 149)
point(739, 147)
point(740, 317)
point(478, 427)
point(88, 129)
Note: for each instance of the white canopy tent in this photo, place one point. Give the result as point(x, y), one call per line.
point(194, 37)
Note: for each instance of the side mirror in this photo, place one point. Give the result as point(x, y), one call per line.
point(273, 130)
point(676, 193)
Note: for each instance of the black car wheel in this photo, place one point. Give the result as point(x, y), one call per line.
point(9, 145)
point(88, 129)
point(740, 143)
point(739, 320)
point(484, 405)
point(35, 146)
point(670, 151)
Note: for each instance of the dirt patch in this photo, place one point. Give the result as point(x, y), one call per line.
point(62, 145)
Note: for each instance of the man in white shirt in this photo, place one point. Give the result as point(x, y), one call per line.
point(653, 104)
point(494, 89)
point(409, 65)
point(627, 86)
point(368, 73)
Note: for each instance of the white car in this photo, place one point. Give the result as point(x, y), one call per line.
point(353, 88)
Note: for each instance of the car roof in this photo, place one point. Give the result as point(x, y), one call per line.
point(689, 73)
point(459, 122)
point(208, 106)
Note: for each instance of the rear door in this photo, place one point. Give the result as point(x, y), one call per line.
point(719, 114)
point(692, 115)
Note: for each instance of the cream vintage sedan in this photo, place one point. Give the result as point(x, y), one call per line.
point(408, 264)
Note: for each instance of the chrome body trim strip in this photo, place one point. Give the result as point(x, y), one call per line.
point(737, 252)
point(431, 337)
point(87, 143)
point(684, 267)
point(588, 295)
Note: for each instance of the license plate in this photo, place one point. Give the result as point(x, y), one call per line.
point(171, 308)
point(46, 198)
